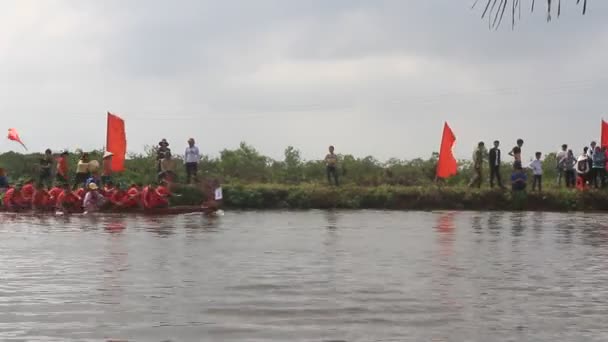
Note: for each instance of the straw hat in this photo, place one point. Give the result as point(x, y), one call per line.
point(107, 154)
point(93, 186)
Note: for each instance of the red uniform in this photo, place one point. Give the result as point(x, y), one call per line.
point(132, 199)
point(27, 191)
point(62, 167)
point(13, 199)
point(117, 197)
point(67, 199)
point(80, 193)
point(109, 192)
point(54, 193)
point(41, 199)
point(156, 198)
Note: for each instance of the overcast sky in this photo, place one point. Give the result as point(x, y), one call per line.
point(371, 77)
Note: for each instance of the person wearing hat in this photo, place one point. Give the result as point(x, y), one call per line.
point(93, 200)
point(106, 174)
point(191, 158)
point(163, 148)
point(62, 167)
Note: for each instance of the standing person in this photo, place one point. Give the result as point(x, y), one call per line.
point(106, 174)
point(537, 170)
point(167, 168)
point(191, 159)
point(477, 166)
point(516, 153)
point(82, 170)
point(46, 163)
point(569, 165)
point(518, 179)
point(599, 167)
point(331, 165)
point(582, 168)
point(559, 158)
point(163, 147)
point(495, 160)
point(62, 167)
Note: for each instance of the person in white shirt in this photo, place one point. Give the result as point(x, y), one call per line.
point(560, 157)
point(191, 159)
point(583, 167)
point(537, 169)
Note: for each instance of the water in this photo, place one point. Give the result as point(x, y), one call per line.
point(306, 276)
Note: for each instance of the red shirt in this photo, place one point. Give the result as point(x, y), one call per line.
point(68, 199)
point(27, 191)
point(117, 197)
point(109, 192)
point(62, 166)
point(156, 198)
point(132, 199)
point(80, 193)
point(41, 199)
point(13, 198)
point(54, 193)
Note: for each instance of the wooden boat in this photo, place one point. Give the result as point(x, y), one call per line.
point(151, 212)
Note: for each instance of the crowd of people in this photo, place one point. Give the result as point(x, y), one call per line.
point(589, 169)
point(91, 188)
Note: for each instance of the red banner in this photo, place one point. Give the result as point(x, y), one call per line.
point(447, 166)
point(604, 134)
point(116, 142)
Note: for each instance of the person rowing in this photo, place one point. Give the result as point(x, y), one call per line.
point(13, 199)
point(28, 190)
point(41, 201)
point(93, 200)
point(54, 194)
point(156, 197)
point(133, 198)
point(68, 201)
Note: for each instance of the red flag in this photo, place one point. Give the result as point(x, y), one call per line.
point(14, 136)
point(604, 134)
point(116, 142)
point(447, 165)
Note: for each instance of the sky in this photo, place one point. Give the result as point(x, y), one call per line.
point(370, 77)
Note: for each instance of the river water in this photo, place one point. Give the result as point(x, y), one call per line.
point(306, 276)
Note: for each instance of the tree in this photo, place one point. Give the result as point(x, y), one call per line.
point(495, 10)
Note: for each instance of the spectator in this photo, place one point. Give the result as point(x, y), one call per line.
point(191, 159)
point(537, 170)
point(582, 168)
point(569, 165)
point(516, 153)
point(46, 163)
point(599, 167)
point(477, 165)
point(518, 179)
point(495, 161)
point(559, 157)
point(331, 164)
point(163, 147)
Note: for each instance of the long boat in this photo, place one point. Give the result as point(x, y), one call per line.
point(152, 212)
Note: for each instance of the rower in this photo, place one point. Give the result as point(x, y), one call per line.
point(41, 199)
point(133, 198)
point(54, 194)
point(117, 196)
point(155, 198)
point(93, 200)
point(27, 191)
point(68, 201)
point(13, 199)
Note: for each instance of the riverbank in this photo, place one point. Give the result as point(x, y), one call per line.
point(315, 196)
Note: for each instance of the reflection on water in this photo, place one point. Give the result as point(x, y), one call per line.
point(305, 276)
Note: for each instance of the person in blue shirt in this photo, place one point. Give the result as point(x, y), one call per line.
point(518, 179)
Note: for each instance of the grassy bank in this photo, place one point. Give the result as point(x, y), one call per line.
point(311, 196)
